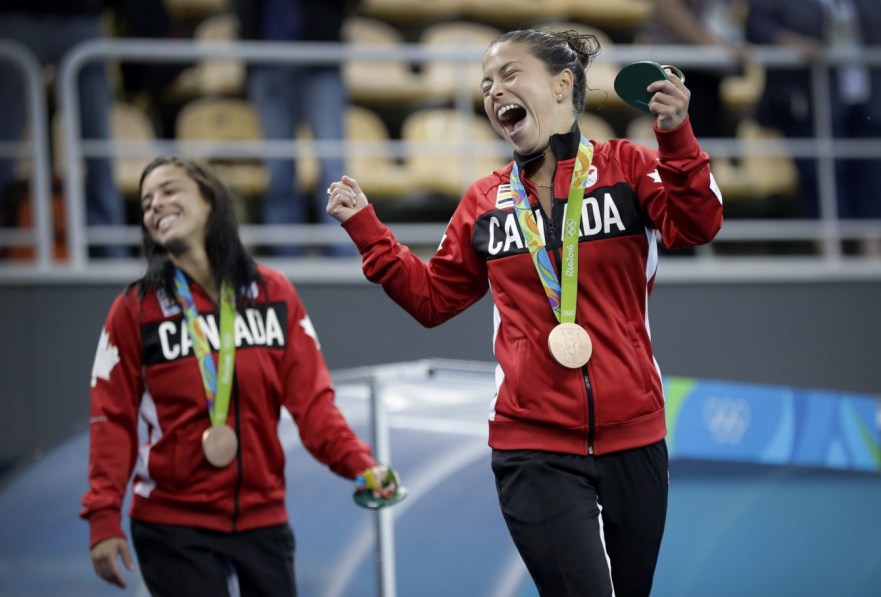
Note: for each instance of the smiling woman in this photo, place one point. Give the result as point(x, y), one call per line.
point(564, 235)
point(176, 216)
point(204, 349)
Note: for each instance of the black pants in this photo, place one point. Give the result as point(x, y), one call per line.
point(586, 524)
point(178, 560)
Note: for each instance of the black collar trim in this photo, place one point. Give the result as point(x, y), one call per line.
point(563, 146)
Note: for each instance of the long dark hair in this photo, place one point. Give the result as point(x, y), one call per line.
point(560, 50)
point(227, 256)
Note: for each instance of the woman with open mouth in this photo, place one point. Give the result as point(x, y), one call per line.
point(565, 237)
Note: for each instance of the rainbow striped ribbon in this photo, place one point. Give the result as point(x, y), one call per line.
point(561, 299)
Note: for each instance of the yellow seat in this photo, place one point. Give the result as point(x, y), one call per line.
point(740, 93)
point(412, 11)
point(446, 79)
point(447, 150)
point(128, 123)
point(617, 14)
point(373, 81)
point(770, 175)
point(378, 173)
point(595, 127)
point(217, 121)
point(641, 129)
point(757, 174)
point(515, 13)
point(212, 76)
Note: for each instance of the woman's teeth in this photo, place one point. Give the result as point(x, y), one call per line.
point(166, 221)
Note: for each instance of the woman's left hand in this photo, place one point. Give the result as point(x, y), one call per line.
point(345, 198)
point(669, 101)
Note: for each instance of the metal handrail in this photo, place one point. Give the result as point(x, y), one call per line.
point(829, 229)
point(35, 99)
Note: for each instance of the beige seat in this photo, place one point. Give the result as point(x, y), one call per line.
point(446, 79)
point(130, 124)
point(641, 129)
point(764, 174)
point(595, 127)
point(617, 14)
point(373, 81)
point(378, 173)
point(740, 93)
point(515, 13)
point(307, 163)
point(376, 170)
point(212, 76)
point(404, 12)
point(775, 174)
point(448, 150)
point(217, 121)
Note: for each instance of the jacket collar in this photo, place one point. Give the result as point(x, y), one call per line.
point(563, 146)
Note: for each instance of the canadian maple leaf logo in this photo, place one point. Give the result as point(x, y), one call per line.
point(106, 358)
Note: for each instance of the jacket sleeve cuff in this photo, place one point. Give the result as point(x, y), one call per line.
point(104, 525)
point(364, 227)
point(361, 463)
point(676, 142)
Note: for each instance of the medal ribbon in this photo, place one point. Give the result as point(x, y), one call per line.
point(217, 388)
point(561, 299)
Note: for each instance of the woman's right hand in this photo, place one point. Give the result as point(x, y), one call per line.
point(104, 556)
point(345, 198)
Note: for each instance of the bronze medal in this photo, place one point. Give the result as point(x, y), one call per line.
point(570, 345)
point(220, 445)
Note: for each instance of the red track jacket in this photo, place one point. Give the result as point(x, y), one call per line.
point(145, 366)
point(616, 401)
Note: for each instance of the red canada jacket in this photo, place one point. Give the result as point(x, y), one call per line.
point(633, 194)
point(145, 367)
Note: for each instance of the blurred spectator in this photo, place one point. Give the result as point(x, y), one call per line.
point(855, 91)
point(287, 95)
point(147, 83)
point(702, 22)
point(50, 28)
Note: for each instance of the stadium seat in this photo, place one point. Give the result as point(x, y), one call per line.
point(217, 122)
point(515, 13)
point(378, 173)
point(445, 79)
point(376, 170)
point(740, 93)
point(641, 130)
point(765, 175)
point(129, 123)
point(378, 82)
point(447, 149)
point(595, 127)
point(402, 12)
point(617, 14)
point(223, 77)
